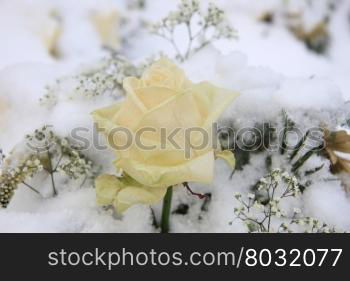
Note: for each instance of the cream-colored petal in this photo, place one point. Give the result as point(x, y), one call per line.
point(165, 73)
point(124, 192)
point(130, 114)
point(130, 110)
point(130, 84)
point(107, 188)
point(199, 169)
point(147, 95)
point(228, 156)
point(152, 96)
point(117, 136)
point(104, 117)
point(211, 101)
point(177, 114)
point(132, 195)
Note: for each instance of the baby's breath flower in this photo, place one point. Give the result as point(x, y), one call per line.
point(265, 215)
point(212, 26)
point(251, 196)
point(263, 181)
point(66, 157)
point(237, 195)
point(258, 206)
point(106, 78)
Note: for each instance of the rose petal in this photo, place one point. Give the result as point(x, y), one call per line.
point(179, 112)
point(107, 188)
point(104, 117)
point(228, 156)
point(199, 169)
point(164, 73)
point(130, 113)
point(211, 101)
point(152, 96)
point(137, 195)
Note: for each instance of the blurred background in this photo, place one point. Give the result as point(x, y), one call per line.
point(295, 37)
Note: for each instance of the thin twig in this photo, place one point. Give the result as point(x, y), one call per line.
point(58, 163)
point(31, 188)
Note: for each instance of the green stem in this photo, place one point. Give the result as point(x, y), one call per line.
point(305, 157)
point(166, 210)
point(297, 148)
point(285, 131)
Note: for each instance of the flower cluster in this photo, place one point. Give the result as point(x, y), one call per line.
point(51, 149)
point(11, 178)
point(202, 28)
point(47, 153)
point(106, 78)
point(76, 165)
point(262, 210)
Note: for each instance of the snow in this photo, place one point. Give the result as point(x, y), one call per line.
point(328, 201)
point(21, 87)
point(270, 68)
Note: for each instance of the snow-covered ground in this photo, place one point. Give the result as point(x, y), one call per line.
point(45, 40)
